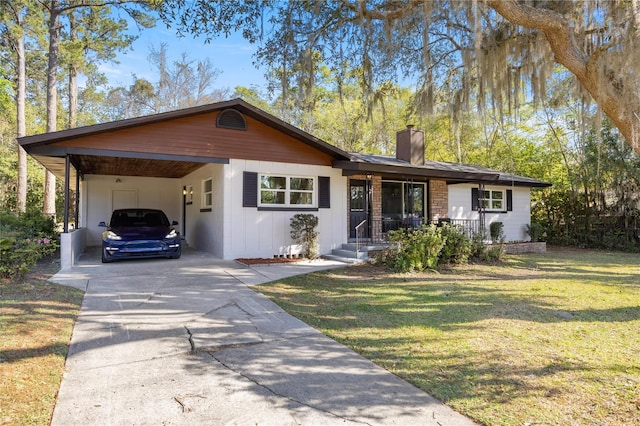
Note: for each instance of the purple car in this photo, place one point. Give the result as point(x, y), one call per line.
point(136, 233)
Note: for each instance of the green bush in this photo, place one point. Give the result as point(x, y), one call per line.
point(27, 224)
point(457, 247)
point(478, 245)
point(303, 230)
point(494, 252)
point(496, 230)
point(417, 250)
point(18, 255)
point(535, 231)
point(24, 239)
point(483, 252)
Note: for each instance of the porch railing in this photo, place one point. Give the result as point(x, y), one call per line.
point(375, 231)
point(360, 233)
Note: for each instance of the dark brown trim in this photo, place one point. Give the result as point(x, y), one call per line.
point(288, 209)
point(350, 168)
point(61, 151)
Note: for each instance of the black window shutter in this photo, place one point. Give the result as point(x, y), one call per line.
point(475, 194)
point(250, 189)
point(324, 193)
point(509, 200)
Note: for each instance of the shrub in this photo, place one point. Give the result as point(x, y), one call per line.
point(535, 231)
point(26, 238)
point(457, 247)
point(494, 252)
point(478, 245)
point(483, 252)
point(496, 230)
point(303, 230)
point(27, 224)
point(416, 249)
point(18, 255)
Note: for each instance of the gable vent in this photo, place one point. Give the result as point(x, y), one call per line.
point(231, 119)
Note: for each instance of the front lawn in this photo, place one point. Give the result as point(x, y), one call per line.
point(539, 339)
point(36, 319)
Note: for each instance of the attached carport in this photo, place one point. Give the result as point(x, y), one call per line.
point(109, 152)
point(75, 166)
point(167, 158)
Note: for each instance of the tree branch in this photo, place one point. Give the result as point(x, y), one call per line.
point(561, 38)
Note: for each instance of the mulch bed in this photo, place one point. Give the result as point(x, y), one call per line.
point(267, 261)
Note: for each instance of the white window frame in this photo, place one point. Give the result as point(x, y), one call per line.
point(491, 200)
point(205, 204)
point(287, 191)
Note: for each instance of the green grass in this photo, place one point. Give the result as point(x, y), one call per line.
point(36, 319)
point(538, 339)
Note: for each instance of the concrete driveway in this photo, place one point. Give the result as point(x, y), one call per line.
point(177, 342)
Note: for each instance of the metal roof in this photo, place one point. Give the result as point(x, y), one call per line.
point(451, 172)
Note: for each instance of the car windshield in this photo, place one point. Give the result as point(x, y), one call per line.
point(138, 218)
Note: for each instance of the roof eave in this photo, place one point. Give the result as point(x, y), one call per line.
point(354, 167)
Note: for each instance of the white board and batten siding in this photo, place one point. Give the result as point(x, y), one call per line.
point(231, 231)
point(515, 221)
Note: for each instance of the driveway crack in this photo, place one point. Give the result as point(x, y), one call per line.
point(193, 346)
point(273, 392)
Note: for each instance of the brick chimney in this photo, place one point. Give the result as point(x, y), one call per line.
point(410, 145)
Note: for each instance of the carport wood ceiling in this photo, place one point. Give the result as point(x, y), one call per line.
point(119, 166)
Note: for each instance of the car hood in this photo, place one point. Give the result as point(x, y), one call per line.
point(142, 232)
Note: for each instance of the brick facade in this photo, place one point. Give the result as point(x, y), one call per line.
point(438, 199)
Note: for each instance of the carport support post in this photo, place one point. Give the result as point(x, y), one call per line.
point(481, 208)
point(77, 214)
point(67, 172)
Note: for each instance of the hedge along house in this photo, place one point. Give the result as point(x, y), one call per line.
point(233, 176)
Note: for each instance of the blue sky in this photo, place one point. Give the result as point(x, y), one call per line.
point(232, 56)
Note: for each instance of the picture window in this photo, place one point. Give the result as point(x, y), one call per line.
point(287, 191)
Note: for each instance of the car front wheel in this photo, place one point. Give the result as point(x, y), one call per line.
point(177, 255)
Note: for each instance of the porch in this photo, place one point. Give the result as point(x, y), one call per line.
point(375, 231)
point(372, 234)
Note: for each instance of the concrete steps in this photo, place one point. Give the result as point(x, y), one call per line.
point(348, 254)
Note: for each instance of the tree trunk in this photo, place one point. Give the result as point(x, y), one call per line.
point(52, 106)
point(73, 78)
point(559, 34)
point(21, 90)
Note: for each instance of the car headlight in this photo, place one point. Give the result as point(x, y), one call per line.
point(110, 235)
point(172, 234)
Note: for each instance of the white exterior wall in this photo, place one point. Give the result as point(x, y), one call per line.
point(515, 222)
point(154, 193)
point(249, 232)
point(205, 230)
